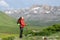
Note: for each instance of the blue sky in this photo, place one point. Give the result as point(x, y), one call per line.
point(15, 4)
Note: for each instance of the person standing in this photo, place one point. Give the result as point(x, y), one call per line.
point(22, 24)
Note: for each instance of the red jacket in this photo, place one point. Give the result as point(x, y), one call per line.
point(21, 22)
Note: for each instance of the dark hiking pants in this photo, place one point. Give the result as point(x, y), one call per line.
point(21, 32)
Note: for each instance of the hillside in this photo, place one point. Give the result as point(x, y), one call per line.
point(7, 24)
point(8, 27)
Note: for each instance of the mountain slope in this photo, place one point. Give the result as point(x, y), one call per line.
point(7, 24)
point(6, 20)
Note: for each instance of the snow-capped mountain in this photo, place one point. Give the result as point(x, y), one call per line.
point(42, 13)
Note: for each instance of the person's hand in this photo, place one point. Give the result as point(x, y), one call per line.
point(18, 24)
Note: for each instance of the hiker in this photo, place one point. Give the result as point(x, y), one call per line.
point(22, 25)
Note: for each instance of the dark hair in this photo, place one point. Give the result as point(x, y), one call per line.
point(20, 18)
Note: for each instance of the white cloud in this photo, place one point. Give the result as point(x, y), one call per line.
point(4, 3)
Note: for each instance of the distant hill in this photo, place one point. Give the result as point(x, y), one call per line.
point(6, 20)
point(7, 24)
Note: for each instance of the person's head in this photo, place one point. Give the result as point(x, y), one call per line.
point(21, 18)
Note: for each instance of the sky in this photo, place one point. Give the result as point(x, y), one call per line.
point(16, 4)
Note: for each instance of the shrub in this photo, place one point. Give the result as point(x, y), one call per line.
point(45, 32)
point(50, 30)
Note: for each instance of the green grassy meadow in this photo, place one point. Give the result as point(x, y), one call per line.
point(9, 30)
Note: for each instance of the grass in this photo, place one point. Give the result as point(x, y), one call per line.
point(4, 36)
point(7, 24)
